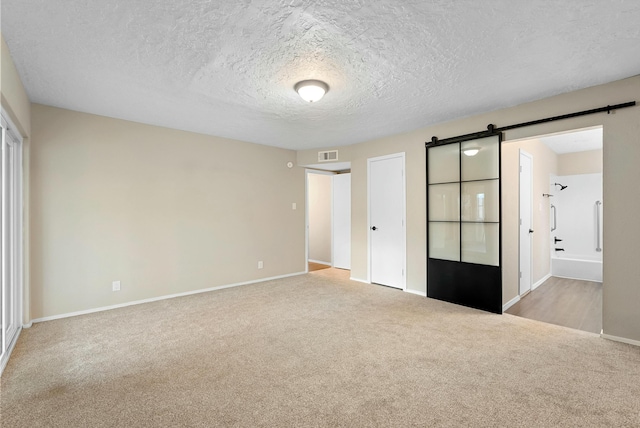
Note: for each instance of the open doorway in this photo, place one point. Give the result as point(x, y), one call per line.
point(564, 230)
point(319, 190)
point(328, 217)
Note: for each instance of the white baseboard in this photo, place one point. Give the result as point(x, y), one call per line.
point(510, 303)
point(6, 355)
point(542, 280)
point(320, 262)
point(419, 293)
point(577, 279)
point(155, 299)
point(620, 339)
point(359, 280)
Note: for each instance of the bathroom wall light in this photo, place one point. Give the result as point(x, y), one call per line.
point(471, 151)
point(311, 90)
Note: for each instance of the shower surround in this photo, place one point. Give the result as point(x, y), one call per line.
point(576, 241)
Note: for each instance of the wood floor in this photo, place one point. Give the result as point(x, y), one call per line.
point(566, 302)
point(317, 266)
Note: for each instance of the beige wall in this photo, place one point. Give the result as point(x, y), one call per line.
point(545, 162)
point(587, 162)
point(319, 188)
point(16, 103)
point(161, 210)
point(621, 135)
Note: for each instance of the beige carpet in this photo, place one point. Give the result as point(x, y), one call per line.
point(315, 350)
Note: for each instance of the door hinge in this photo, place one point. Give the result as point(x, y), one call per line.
point(520, 274)
point(520, 169)
point(402, 272)
point(520, 222)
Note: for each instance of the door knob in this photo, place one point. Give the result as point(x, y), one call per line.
point(530, 230)
point(374, 228)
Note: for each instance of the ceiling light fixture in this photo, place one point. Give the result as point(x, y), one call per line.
point(471, 151)
point(311, 90)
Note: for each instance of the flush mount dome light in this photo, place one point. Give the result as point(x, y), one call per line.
point(311, 90)
point(471, 151)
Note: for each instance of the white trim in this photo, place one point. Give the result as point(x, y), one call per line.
point(517, 298)
point(541, 281)
point(7, 355)
point(28, 325)
point(155, 299)
point(510, 303)
point(401, 155)
point(321, 262)
point(577, 279)
point(306, 219)
point(368, 281)
point(12, 138)
point(320, 171)
point(620, 339)
point(419, 293)
point(308, 171)
point(332, 220)
point(364, 281)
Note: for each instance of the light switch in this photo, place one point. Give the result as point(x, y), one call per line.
point(293, 206)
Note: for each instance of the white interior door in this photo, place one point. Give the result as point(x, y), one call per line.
point(387, 220)
point(526, 221)
point(341, 221)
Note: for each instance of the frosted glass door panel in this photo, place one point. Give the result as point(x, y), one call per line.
point(444, 241)
point(480, 201)
point(444, 202)
point(484, 164)
point(444, 164)
point(480, 243)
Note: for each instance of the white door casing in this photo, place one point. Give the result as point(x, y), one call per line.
point(325, 231)
point(11, 239)
point(387, 205)
point(525, 222)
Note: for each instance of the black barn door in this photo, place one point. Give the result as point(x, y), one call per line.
point(463, 222)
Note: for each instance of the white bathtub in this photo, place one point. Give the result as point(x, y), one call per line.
point(576, 267)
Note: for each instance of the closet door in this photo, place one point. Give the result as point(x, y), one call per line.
point(463, 222)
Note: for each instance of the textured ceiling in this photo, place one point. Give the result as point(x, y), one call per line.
point(571, 142)
point(228, 68)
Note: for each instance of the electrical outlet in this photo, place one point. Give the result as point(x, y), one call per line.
point(115, 286)
point(260, 264)
point(294, 206)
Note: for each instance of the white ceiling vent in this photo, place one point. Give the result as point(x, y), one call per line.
point(331, 155)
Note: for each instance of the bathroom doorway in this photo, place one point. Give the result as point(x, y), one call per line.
point(566, 230)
